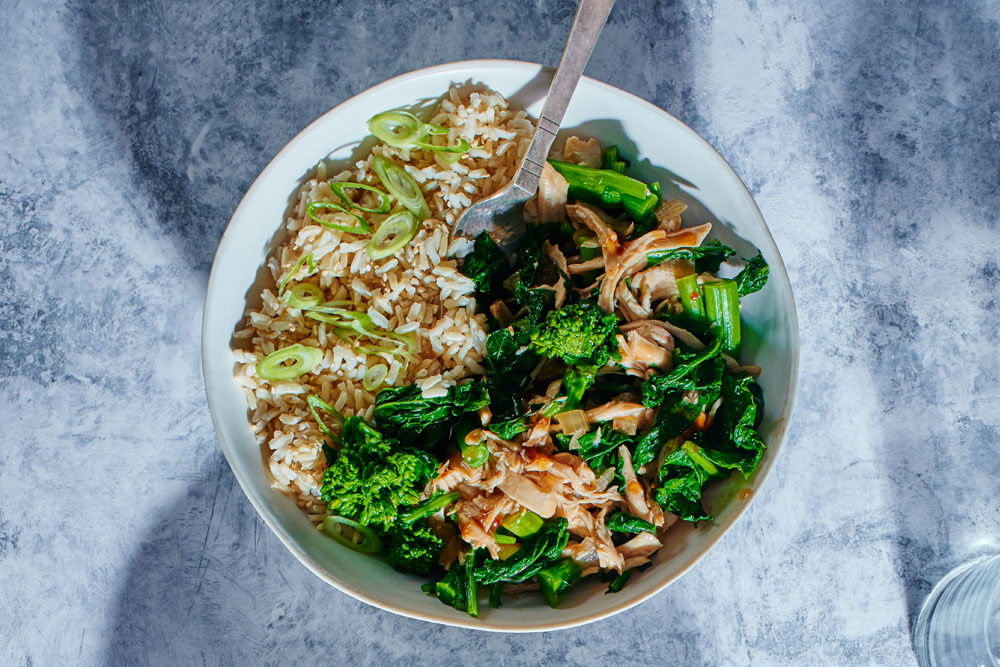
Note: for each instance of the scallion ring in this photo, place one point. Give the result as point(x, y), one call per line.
point(392, 235)
point(384, 205)
point(401, 186)
point(304, 295)
point(361, 228)
point(295, 269)
point(273, 369)
point(367, 543)
point(396, 128)
point(461, 149)
point(315, 402)
point(374, 377)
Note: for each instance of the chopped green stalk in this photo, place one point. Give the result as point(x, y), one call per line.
point(339, 189)
point(495, 594)
point(524, 524)
point(475, 455)
point(471, 588)
point(303, 359)
point(694, 451)
point(429, 507)
point(314, 402)
point(590, 249)
point(504, 539)
point(304, 295)
point(363, 538)
point(401, 186)
point(447, 591)
point(606, 187)
point(722, 305)
point(691, 297)
point(393, 234)
point(556, 580)
point(612, 160)
point(619, 582)
point(362, 226)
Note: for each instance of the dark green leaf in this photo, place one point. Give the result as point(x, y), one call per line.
point(544, 548)
point(623, 522)
point(424, 422)
point(486, 264)
point(707, 258)
point(753, 276)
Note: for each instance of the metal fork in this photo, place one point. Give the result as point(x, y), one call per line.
point(501, 214)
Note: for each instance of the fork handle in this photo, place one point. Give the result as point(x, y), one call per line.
point(587, 25)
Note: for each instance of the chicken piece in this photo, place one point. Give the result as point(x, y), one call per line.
point(633, 257)
point(635, 494)
point(639, 354)
point(613, 409)
point(586, 153)
point(553, 252)
point(607, 553)
point(552, 189)
point(524, 492)
point(589, 265)
point(668, 213)
point(583, 552)
point(630, 309)
point(468, 514)
point(660, 282)
point(588, 216)
point(643, 544)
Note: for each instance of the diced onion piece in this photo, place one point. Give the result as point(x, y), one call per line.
point(629, 425)
point(273, 369)
point(340, 187)
point(401, 186)
point(374, 377)
point(574, 422)
point(352, 534)
point(304, 295)
point(362, 226)
point(393, 234)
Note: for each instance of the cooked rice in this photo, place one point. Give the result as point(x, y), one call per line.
point(419, 290)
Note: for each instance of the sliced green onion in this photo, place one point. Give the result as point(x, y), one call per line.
point(396, 128)
point(722, 305)
point(393, 234)
point(402, 186)
point(590, 249)
point(402, 129)
point(524, 524)
point(429, 507)
point(619, 582)
point(315, 402)
point(295, 269)
point(504, 539)
point(361, 228)
point(361, 538)
point(329, 319)
point(374, 377)
point(461, 149)
point(273, 369)
point(691, 297)
point(383, 199)
point(304, 295)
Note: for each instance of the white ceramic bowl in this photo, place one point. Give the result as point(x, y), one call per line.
point(661, 148)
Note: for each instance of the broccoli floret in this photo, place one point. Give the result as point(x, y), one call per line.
point(580, 333)
point(412, 548)
point(369, 479)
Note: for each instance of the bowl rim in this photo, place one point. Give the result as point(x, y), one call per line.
point(271, 520)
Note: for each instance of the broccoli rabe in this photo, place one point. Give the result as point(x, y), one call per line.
point(412, 548)
point(369, 478)
point(580, 333)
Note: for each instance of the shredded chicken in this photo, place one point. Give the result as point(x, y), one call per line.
point(635, 494)
point(643, 544)
point(668, 214)
point(552, 189)
point(585, 267)
point(640, 354)
point(553, 252)
point(609, 411)
point(591, 218)
point(586, 153)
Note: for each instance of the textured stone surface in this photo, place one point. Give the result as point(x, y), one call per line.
point(869, 133)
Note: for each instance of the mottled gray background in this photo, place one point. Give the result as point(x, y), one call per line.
point(869, 132)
